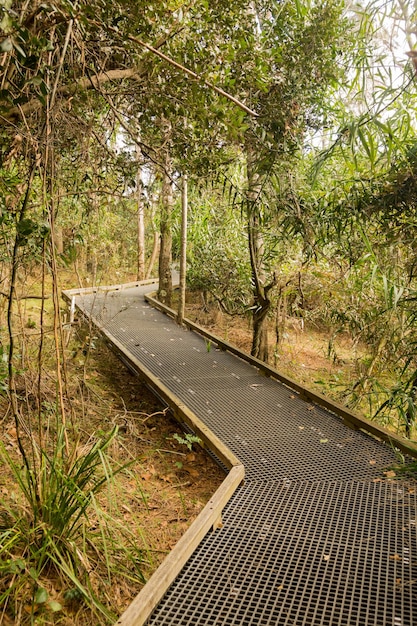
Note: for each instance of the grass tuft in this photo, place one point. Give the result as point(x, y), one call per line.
point(49, 534)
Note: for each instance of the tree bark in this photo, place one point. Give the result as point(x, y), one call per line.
point(59, 239)
point(410, 413)
point(260, 345)
point(261, 301)
point(155, 250)
point(155, 244)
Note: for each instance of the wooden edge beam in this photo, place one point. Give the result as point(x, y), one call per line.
point(179, 409)
point(140, 609)
point(78, 291)
point(351, 419)
point(210, 518)
point(181, 412)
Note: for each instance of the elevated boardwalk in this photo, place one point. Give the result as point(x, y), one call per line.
point(316, 534)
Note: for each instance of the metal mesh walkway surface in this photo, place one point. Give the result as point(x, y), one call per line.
point(317, 535)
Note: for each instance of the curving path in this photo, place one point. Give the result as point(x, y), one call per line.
point(316, 535)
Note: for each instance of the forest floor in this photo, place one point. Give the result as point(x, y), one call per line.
point(319, 358)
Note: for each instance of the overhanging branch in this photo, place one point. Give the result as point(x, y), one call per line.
point(86, 82)
point(189, 72)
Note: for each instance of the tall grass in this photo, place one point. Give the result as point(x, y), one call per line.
point(53, 529)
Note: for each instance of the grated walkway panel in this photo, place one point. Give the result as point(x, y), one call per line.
point(303, 553)
point(317, 536)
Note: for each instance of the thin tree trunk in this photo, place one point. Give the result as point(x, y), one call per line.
point(155, 244)
point(59, 240)
point(183, 253)
point(167, 205)
point(140, 218)
point(154, 255)
point(410, 413)
point(19, 424)
point(91, 262)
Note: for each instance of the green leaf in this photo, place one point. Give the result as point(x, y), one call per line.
point(16, 566)
point(26, 227)
point(41, 596)
point(6, 45)
point(43, 87)
point(19, 49)
point(54, 606)
point(20, 564)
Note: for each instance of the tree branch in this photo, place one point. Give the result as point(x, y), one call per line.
point(86, 82)
point(189, 72)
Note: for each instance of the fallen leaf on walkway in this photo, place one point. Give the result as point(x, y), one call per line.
point(390, 474)
point(395, 557)
point(326, 557)
point(372, 462)
point(324, 440)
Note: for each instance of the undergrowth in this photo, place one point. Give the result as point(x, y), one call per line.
point(53, 533)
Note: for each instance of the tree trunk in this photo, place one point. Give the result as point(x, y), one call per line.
point(261, 301)
point(154, 255)
point(410, 413)
point(91, 263)
point(140, 219)
point(59, 240)
point(183, 253)
point(165, 252)
point(260, 347)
